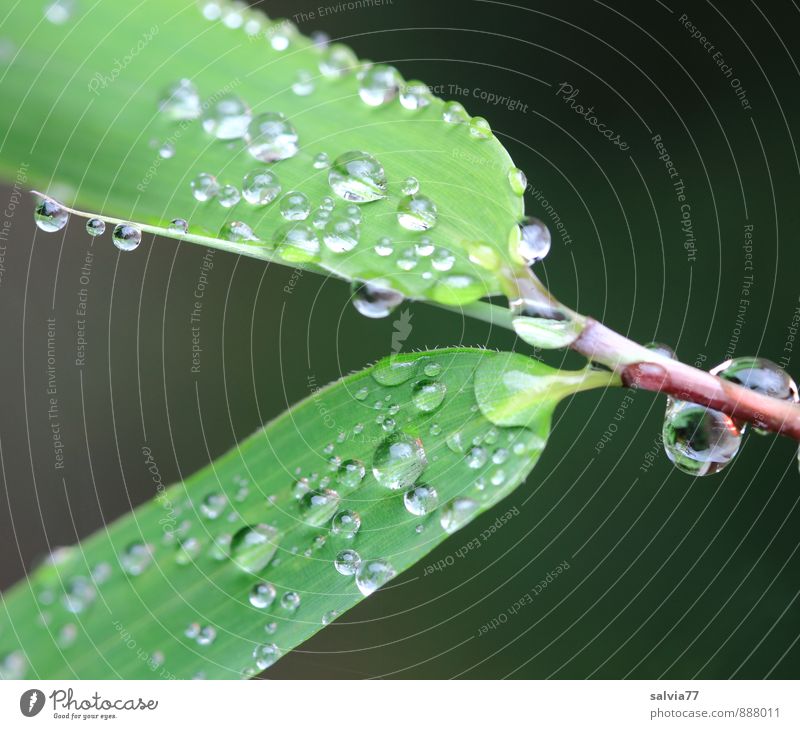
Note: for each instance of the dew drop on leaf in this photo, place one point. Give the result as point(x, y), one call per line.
point(479, 128)
point(318, 506)
point(126, 237)
point(350, 474)
point(337, 61)
point(236, 231)
point(265, 655)
point(417, 212)
point(290, 601)
point(373, 301)
point(271, 137)
point(262, 595)
point(95, 227)
point(347, 562)
point(457, 513)
point(180, 101)
point(421, 500)
point(379, 85)
point(227, 117)
point(136, 558)
point(346, 524)
point(392, 372)
point(50, 216)
point(204, 187)
point(260, 187)
point(518, 181)
point(415, 95)
point(454, 113)
point(358, 177)
point(295, 206)
point(373, 574)
point(428, 395)
point(253, 547)
point(178, 226)
point(399, 461)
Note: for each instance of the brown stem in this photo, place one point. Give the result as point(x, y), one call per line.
point(638, 366)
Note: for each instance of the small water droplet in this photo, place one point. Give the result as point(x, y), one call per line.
point(136, 558)
point(79, 594)
point(415, 95)
point(373, 574)
point(479, 128)
point(13, 666)
point(392, 371)
point(540, 320)
point(213, 505)
point(337, 61)
point(373, 301)
point(290, 601)
point(303, 83)
point(95, 227)
point(358, 177)
point(346, 524)
point(533, 242)
point(454, 113)
point(428, 395)
point(477, 457)
point(518, 181)
point(228, 196)
point(188, 550)
point(760, 375)
point(321, 161)
point(329, 617)
point(457, 513)
point(59, 12)
point(347, 562)
point(341, 235)
point(432, 369)
point(265, 655)
point(421, 500)
point(236, 231)
point(297, 243)
point(442, 259)
point(262, 595)
point(220, 548)
point(271, 137)
point(178, 226)
point(271, 628)
point(253, 547)
point(166, 150)
point(361, 394)
point(379, 85)
point(227, 117)
point(662, 349)
point(126, 237)
point(295, 206)
point(50, 216)
point(407, 260)
point(399, 461)
point(260, 187)
point(204, 187)
point(384, 247)
point(417, 212)
point(318, 506)
point(699, 441)
point(350, 474)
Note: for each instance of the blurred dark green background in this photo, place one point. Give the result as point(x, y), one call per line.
point(669, 576)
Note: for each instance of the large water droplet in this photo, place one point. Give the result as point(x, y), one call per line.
point(542, 321)
point(346, 524)
point(392, 372)
point(415, 95)
point(236, 231)
point(399, 461)
point(290, 601)
point(253, 547)
point(373, 574)
point(204, 187)
point(227, 117)
point(260, 187)
point(457, 513)
point(95, 227)
point(358, 177)
point(126, 237)
point(421, 500)
point(318, 506)
point(180, 101)
point(262, 595)
point(297, 243)
point(265, 655)
point(533, 241)
point(760, 375)
point(479, 128)
point(295, 206)
point(375, 302)
point(428, 395)
point(417, 212)
point(379, 85)
point(699, 441)
point(228, 196)
point(50, 216)
point(347, 562)
point(341, 235)
point(271, 137)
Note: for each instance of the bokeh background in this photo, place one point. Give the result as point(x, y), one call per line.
point(669, 575)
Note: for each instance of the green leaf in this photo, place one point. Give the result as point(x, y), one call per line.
point(166, 590)
point(82, 123)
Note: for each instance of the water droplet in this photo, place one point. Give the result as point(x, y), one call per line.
point(101, 572)
point(227, 117)
point(424, 247)
point(166, 150)
point(295, 206)
point(533, 241)
point(479, 128)
point(477, 457)
point(265, 655)
point(329, 617)
point(399, 461)
point(760, 375)
point(79, 594)
point(379, 85)
point(252, 547)
point(454, 113)
point(373, 574)
point(220, 548)
point(457, 288)
point(358, 177)
point(410, 186)
point(204, 187)
point(136, 558)
point(361, 394)
point(126, 237)
point(260, 187)
point(347, 562)
point(540, 320)
point(443, 260)
point(95, 227)
point(375, 302)
point(346, 524)
point(350, 474)
point(262, 595)
point(500, 456)
point(13, 666)
point(417, 212)
point(341, 235)
point(228, 196)
point(213, 505)
point(392, 371)
point(188, 550)
point(699, 441)
point(290, 601)
point(318, 506)
point(271, 137)
point(428, 395)
point(271, 628)
point(384, 247)
point(178, 226)
point(321, 161)
point(236, 231)
point(662, 349)
point(50, 216)
point(280, 35)
point(337, 61)
point(421, 500)
point(297, 243)
point(180, 101)
point(415, 95)
point(59, 12)
point(518, 181)
point(408, 260)
point(303, 83)
point(457, 513)
point(432, 369)
point(67, 635)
